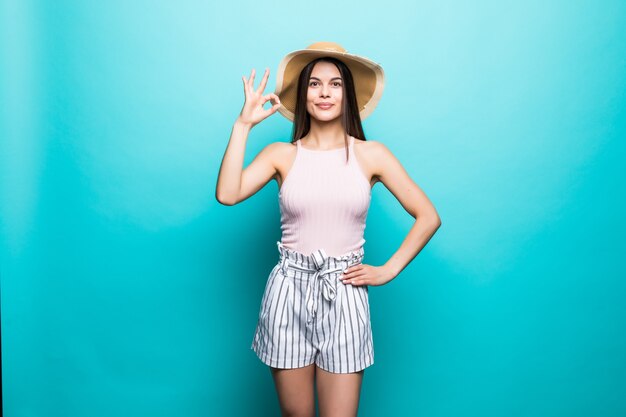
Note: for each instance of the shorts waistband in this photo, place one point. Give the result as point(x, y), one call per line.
point(318, 257)
point(321, 267)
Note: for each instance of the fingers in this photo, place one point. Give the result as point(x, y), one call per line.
point(353, 274)
point(264, 81)
point(277, 104)
point(245, 85)
point(356, 281)
point(275, 107)
point(251, 81)
point(271, 96)
point(353, 268)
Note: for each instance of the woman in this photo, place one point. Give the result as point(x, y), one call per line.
point(314, 322)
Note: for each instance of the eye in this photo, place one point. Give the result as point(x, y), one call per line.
point(337, 83)
point(313, 82)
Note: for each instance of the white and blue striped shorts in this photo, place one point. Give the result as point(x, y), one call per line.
point(308, 315)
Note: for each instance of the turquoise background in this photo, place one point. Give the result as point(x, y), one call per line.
point(128, 290)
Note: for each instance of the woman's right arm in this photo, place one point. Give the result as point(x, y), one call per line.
point(235, 184)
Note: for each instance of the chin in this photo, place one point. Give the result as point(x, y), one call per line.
point(325, 117)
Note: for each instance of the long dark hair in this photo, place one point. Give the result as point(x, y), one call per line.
point(350, 118)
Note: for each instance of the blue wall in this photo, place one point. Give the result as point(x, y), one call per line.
point(128, 290)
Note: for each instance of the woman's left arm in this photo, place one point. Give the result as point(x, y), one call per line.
point(388, 170)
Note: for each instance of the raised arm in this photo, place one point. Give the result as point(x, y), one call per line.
point(234, 184)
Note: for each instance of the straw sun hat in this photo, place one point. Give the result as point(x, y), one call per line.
point(369, 78)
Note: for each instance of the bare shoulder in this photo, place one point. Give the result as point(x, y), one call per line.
point(281, 155)
point(283, 147)
point(373, 147)
point(277, 147)
point(281, 151)
point(274, 152)
point(372, 156)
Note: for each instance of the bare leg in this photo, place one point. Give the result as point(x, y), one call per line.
point(295, 388)
point(338, 394)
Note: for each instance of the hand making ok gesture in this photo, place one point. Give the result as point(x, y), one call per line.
point(253, 111)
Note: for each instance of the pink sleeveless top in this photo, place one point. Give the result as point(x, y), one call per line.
point(324, 202)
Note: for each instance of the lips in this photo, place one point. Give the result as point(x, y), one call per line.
point(324, 106)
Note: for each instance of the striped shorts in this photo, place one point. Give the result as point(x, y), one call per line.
point(308, 315)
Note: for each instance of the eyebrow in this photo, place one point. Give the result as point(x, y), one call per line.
point(315, 78)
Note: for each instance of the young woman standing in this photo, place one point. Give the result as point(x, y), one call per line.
point(314, 325)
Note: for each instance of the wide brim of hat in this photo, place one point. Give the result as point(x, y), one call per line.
point(369, 79)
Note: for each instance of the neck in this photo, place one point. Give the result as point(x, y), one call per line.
point(325, 135)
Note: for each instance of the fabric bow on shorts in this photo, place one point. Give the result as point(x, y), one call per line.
point(321, 277)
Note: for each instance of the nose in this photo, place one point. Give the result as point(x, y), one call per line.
point(324, 91)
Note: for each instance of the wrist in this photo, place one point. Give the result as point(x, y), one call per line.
point(392, 270)
point(244, 124)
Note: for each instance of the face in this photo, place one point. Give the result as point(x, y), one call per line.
point(325, 92)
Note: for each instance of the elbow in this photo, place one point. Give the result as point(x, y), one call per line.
point(433, 221)
point(436, 221)
point(225, 200)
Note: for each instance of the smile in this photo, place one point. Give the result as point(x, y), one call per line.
point(324, 106)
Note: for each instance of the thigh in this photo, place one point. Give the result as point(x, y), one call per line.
point(338, 394)
point(295, 388)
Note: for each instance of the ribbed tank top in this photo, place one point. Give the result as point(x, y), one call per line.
point(324, 202)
